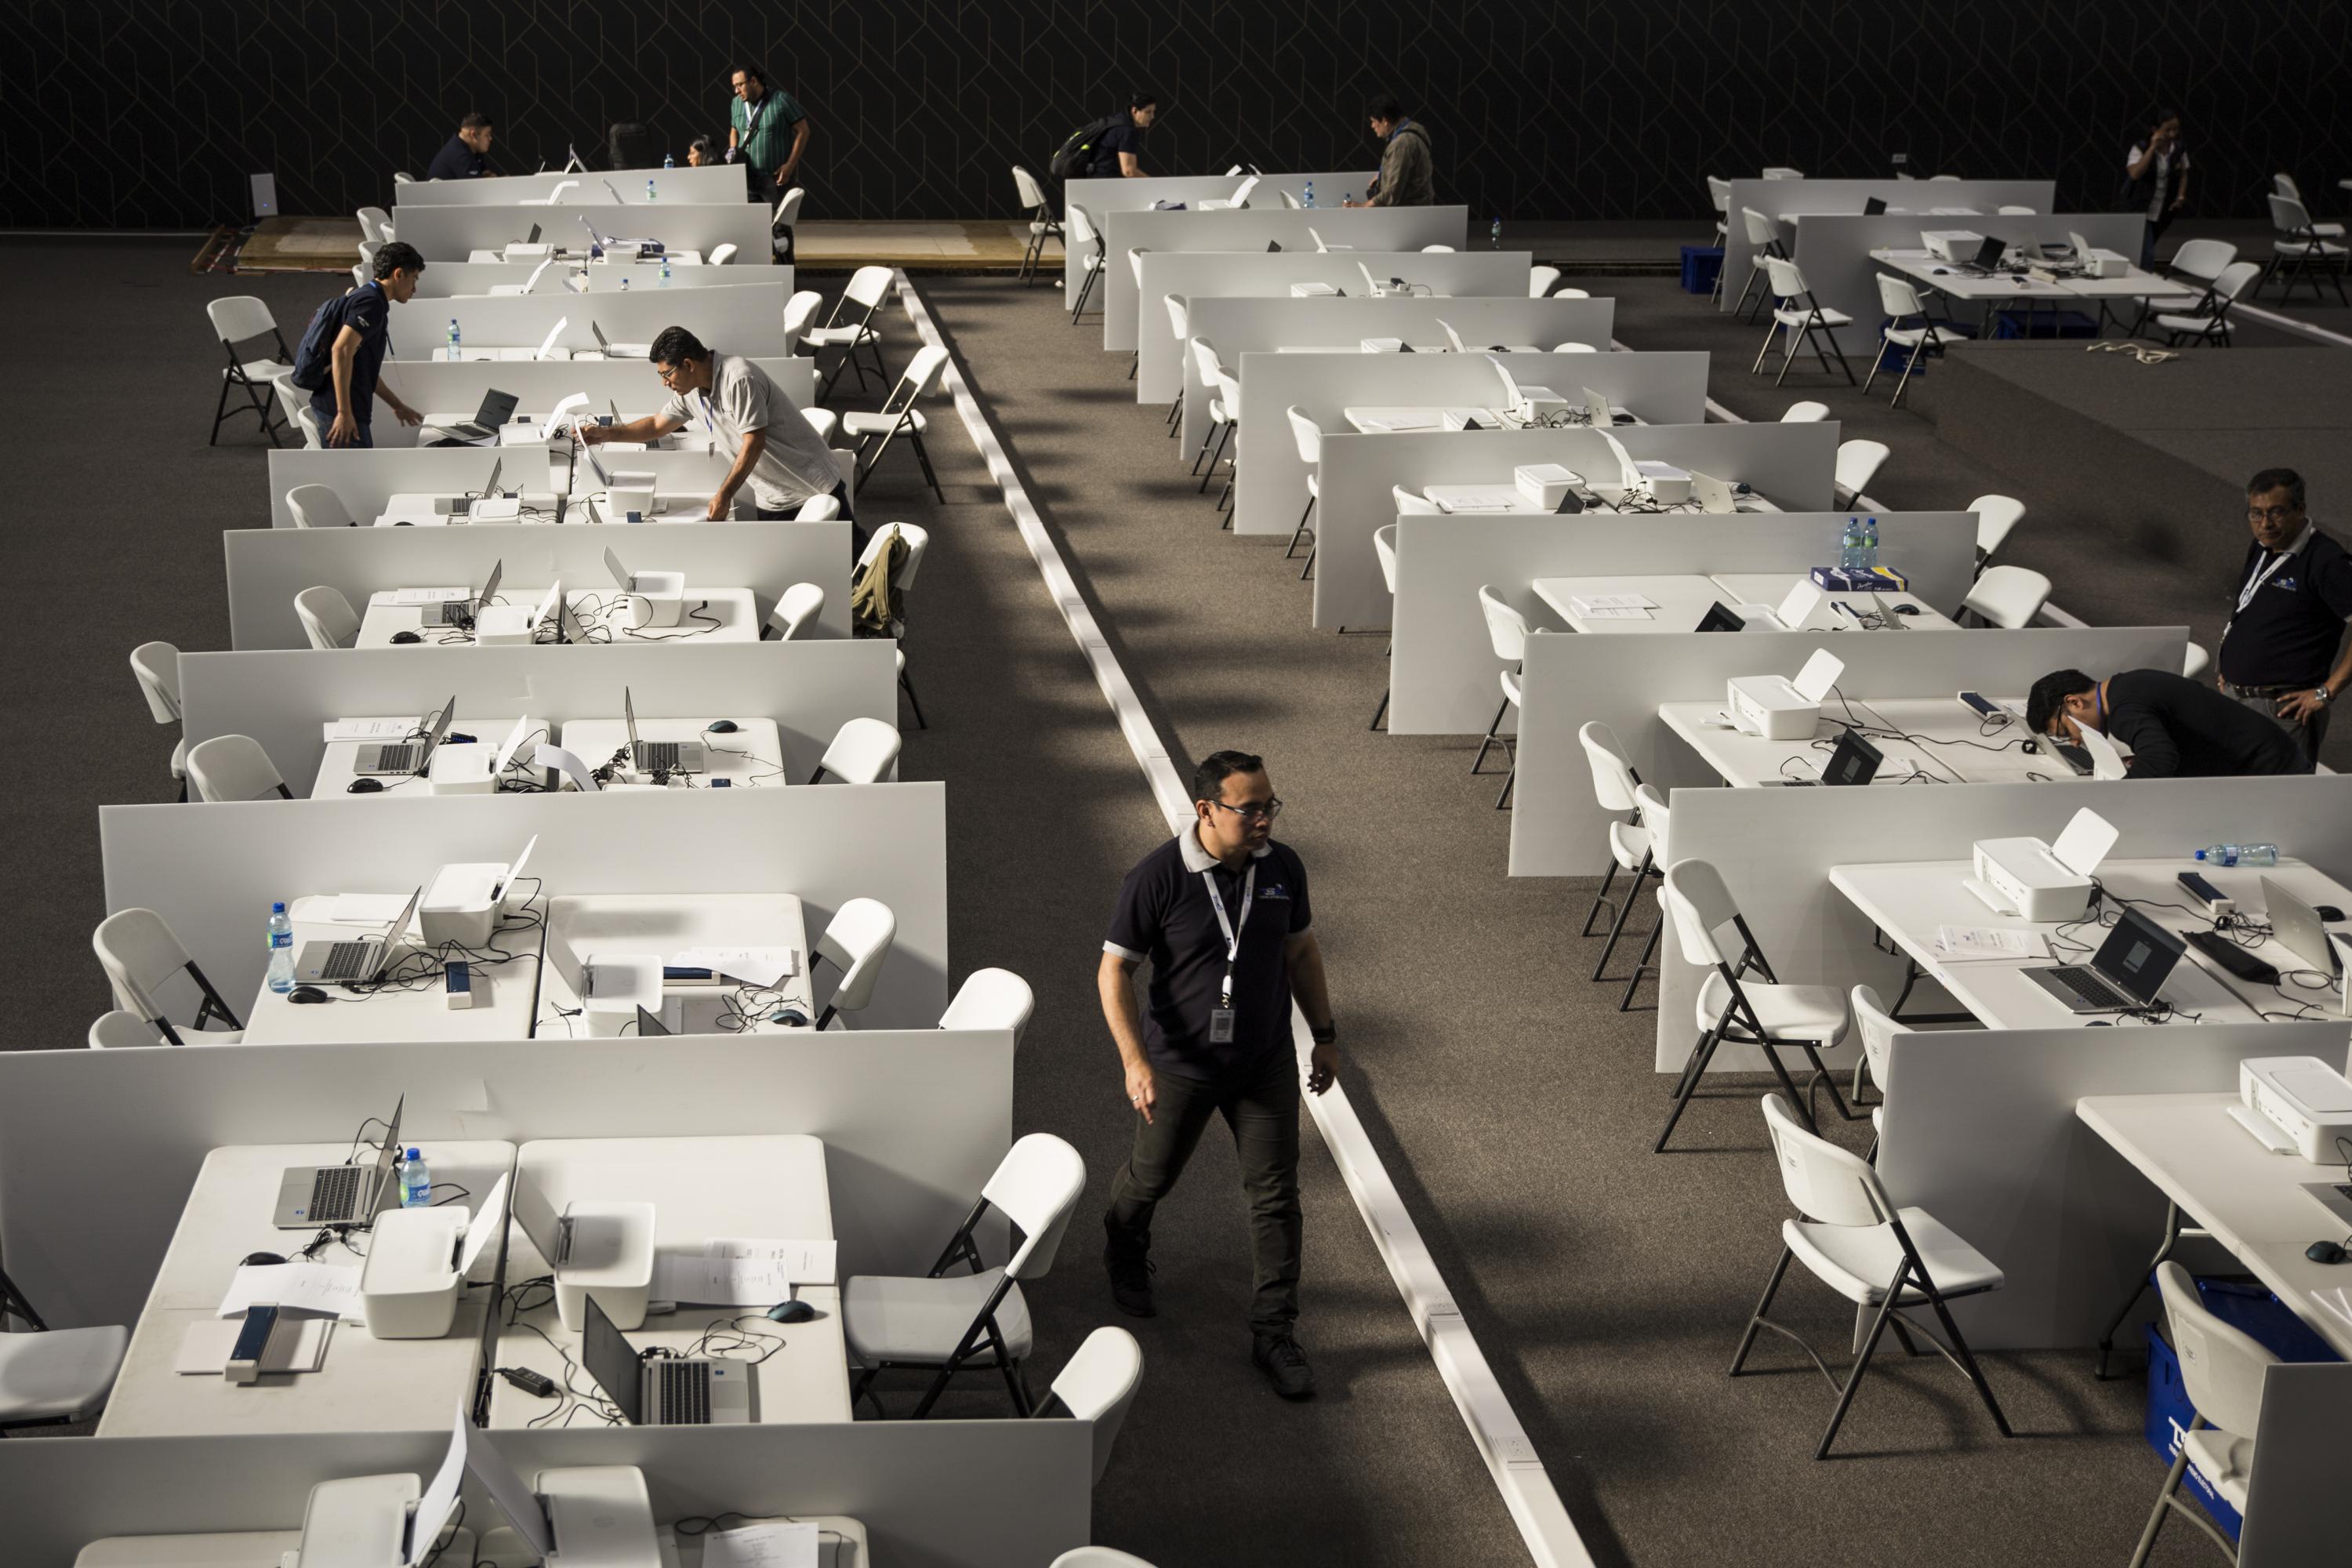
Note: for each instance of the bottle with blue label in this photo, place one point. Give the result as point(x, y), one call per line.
point(1311, 196)
point(624, 282)
point(415, 1182)
point(452, 337)
point(281, 950)
point(1850, 546)
point(1495, 235)
point(665, 271)
point(668, 161)
point(1870, 542)
point(649, 190)
point(2239, 855)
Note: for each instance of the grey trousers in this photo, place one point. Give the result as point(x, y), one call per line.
point(2307, 736)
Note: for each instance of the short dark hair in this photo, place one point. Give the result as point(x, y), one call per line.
point(676, 345)
point(397, 256)
point(1142, 98)
point(1209, 775)
point(2048, 695)
point(1384, 106)
point(2285, 479)
point(751, 71)
point(477, 120)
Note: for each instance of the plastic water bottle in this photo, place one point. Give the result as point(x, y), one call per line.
point(1850, 546)
point(668, 161)
point(664, 272)
point(281, 950)
point(452, 337)
point(1870, 542)
point(1495, 235)
point(650, 191)
point(624, 283)
point(1311, 196)
point(415, 1183)
point(2239, 855)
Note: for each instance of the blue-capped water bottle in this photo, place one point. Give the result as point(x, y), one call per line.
point(1495, 235)
point(2239, 855)
point(415, 1182)
point(668, 161)
point(1311, 196)
point(665, 271)
point(281, 950)
point(649, 189)
point(452, 337)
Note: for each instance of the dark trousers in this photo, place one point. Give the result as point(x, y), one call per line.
point(322, 409)
point(2154, 232)
point(2307, 734)
point(840, 494)
point(1263, 1116)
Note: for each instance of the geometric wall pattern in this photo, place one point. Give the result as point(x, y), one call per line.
point(150, 114)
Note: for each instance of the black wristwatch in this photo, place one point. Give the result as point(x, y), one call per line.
point(1324, 1035)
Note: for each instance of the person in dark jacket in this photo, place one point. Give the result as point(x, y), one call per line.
point(467, 154)
point(2156, 179)
point(1407, 176)
point(2175, 726)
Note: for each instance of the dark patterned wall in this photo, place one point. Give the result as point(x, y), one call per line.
point(150, 114)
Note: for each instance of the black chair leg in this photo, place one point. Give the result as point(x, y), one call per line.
point(930, 477)
point(1378, 714)
point(1601, 898)
point(1492, 738)
point(1640, 966)
point(908, 687)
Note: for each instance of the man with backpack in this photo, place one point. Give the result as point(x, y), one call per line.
point(1406, 178)
point(340, 357)
point(1119, 144)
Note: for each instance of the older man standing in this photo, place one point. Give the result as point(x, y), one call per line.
point(2283, 652)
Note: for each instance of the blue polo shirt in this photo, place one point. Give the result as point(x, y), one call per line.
point(365, 310)
point(457, 162)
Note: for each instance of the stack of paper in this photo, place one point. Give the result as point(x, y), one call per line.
point(762, 1546)
point(735, 1271)
point(1610, 612)
point(752, 965)
point(1965, 944)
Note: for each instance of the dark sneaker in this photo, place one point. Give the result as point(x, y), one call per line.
point(1284, 1366)
point(1130, 1280)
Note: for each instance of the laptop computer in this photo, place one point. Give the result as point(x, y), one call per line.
point(1720, 618)
point(533, 238)
point(458, 506)
point(666, 1391)
point(1712, 494)
point(2123, 975)
point(2299, 929)
point(550, 1233)
point(648, 1025)
point(1989, 255)
point(406, 757)
point(460, 612)
point(618, 350)
point(496, 408)
point(1873, 205)
point(1855, 762)
point(341, 1194)
point(350, 962)
point(661, 757)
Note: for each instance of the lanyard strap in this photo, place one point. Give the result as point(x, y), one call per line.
point(1225, 924)
point(2260, 575)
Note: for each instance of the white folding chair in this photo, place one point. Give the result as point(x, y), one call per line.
point(1734, 1009)
point(861, 751)
point(1384, 549)
point(291, 403)
point(240, 319)
point(51, 1377)
point(327, 617)
point(1507, 633)
point(2222, 1371)
point(1090, 265)
point(123, 1030)
point(857, 942)
point(1995, 516)
point(1205, 363)
point(319, 506)
point(1877, 1026)
point(1718, 195)
point(976, 1320)
point(1541, 280)
point(1098, 1383)
point(234, 767)
point(1806, 413)
point(141, 957)
point(1571, 294)
point(156, 666)
point(1412, 503)
point(722, 255)
point(1042, 227)
point(898, 415)
point(800, 313)
point(2284, 185)
point(1110, 1556)
point(1614, 783)
point(991, 999)
point(1858, 463)
point(1800, 320)
point(783, 228)
point(2300, 245)
point(2200, 262)
point(1135, 269)
point(2196, 662)
point(851, 327)
point(1887, 1261)
point(1308, 437)
point(2210, 323)
point(1902, 303)
point(1179, 318)
point(2007, 596)
point(824, 508)
point(797, 608)
point(918, 539)
point(1764, 242)
point(375, 223)
point(313, 438)
point(403, 179)
point(1656, 821)
point(2012, 210)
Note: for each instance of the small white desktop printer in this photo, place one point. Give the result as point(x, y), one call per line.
point(1952, 244)
point(2307, 1101)
point(2038, 881)
point(1779, 709)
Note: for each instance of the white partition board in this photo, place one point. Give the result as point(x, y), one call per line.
point(1198, 275)
point(1103, 197)
point(213, 877)
point(1662, 388)
point(1368, 229)
point(746, 318)
point(367, 478)
point(1778, 199)
point(283, 698)
point(1575, 678)
point(452, 279)
point(455, 232)
point(1441, 669)
point(268, 566)
point(1980, 1131)
point(2294, 1504)
point(1774, 849)
point(1793, 466)
point(939, 1494)
point(432, 386)
point(713, 184)
point(1238, 326)
point(1833, 253)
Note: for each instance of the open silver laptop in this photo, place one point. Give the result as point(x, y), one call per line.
point(353, 963)
point(666, 1391)
point(661, 757)
point(2300, 929)
point(342, 1194)
point(461, 612)
point(460, 506)
point(2124, 975)
point(406, 757)
point(1712, 494)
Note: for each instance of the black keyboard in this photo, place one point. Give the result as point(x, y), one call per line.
point(2086, 984)
point(398, 758)
point(682, 1393)
point(347, 960)
point(2233, 957)
point(334, 1193)
point(660, 756)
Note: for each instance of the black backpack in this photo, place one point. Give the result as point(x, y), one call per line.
point(1075, 159)
point(312, 369)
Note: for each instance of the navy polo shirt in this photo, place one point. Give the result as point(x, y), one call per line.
point(1125, 136)
point(1164, 915)
point(2290, 628)
point(365, 310)
point(457, 162)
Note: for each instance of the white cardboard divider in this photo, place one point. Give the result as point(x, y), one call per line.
point(1199, 276)
point(1834, 250)
point(211, 877)
point(944, 1494)
point(1793, 466)
point(713, 184)
point(1980, 1131)
point(1238, 326)
point(1574, 679)
point(1774, 849)
point(1441, 669)
point(451, 279)
point(98, 1148)
point(455, 232)
point(367, 478)
point(268, 566)
point(1778, 199)
point(1369, 229)
point(1661, 388)
point(744, 319)
point(283, 698)
point(1103, 197)
point(433, 386)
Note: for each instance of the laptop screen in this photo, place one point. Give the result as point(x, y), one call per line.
point(2298, 927)
point(1872, 207)
point(2137, 954)
point(496, 408)
point(1988, 254)
point(1719, 618)
point(1855, 761)
point(605, 1352)
point(387, 1155)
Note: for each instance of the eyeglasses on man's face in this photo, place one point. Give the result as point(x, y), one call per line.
point(1253, 811)
point(2271, 514)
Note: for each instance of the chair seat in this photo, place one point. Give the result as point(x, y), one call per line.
point(62, 1375)
point(1511, 687)
point(823, 421)
point(1092, 263)
point(879, 423)
point(1827, 318)
point(2174, 301)
point(1906, 337)
point(1792, 1013)
point(1216, 411)
point(180, 759)
point(1313, 487)
point(1628, 842)
point(1858, 1262)
point(2309, 247)
point(2226, 1462)
point(901, 1318)
point(835, 336)
point(2189, 323)
point(263, 369)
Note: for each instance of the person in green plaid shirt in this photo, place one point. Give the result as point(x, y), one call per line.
point(768, 133)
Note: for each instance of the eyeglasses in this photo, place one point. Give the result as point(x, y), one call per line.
point(2271, 514)
point(668, 372)
point(1251, 811)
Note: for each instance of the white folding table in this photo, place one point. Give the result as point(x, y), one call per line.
point(580, 925)
point(414, 1009)
point(1955, 747)
point(1681, 601)
point(605, 614)
point(339, 765)
point(751, 756)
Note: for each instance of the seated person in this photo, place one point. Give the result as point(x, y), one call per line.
point(699, 153)
point(2174, 727)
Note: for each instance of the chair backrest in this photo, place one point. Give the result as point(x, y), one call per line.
point(818, 508)
point(375, 223)
point(788, 210)
point(991, 999)
point(1507, 630)
point(1032, 194)
point(359, 275)
point(1307, 433)
point(2195, 661)
point(1541, 280)
point(922, 374)
point(1412, 503)
point(1229, 393)
point(1082, 228)
point(1204, 360)
point(119, 1030)
point(291, 402)
point(327, 617)
point(1613, 783)
point(313, 438)
point(2284, 185)
point(317, 506)
point(918, 540)
point(1098, 1384)
point(138, 953)
point(800, 315)
point(1761, 230)
point(2011, 211)
point(722, 255)
point(1805, 413)
point(1385, 547)
point(1718, 191)
point(1427, 248)
point(368, 247)
point(1898, 298)
point(237, 317)
point(861, 751)
point(1828, 1185)
point(2222, 1365)
point(1035, 1187)
point(2234, 280)
point(232, 767)
point(1699, 903)
point(1655, 817)
point(2008, 596)
point(399, 178)
point(1788, 283)
point(1878, 1031)
point(797, 608)
point(1857, 463)
point(1108, 1556)
point(1571, 294)
point(869, 287)
point(1178, 317)
point(857, 938)
point(1290, 202)
point(1135, 263)
point(2203, 258)
point(2289, 217)
point(156, 665)
point(1996, 515)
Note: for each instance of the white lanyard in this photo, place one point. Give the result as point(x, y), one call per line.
point(1225, 924)
point(2262, 576)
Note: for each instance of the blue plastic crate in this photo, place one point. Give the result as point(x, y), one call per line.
point(1701, 264)
point(2044, 325)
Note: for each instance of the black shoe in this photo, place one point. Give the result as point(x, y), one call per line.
point(1284, 1366)
point(1130, 1280)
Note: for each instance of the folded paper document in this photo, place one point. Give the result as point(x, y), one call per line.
point(1959, 944)
point(329, 1288)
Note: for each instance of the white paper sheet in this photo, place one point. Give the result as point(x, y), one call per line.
point(578, 772)
point(366, 909)
point(372, 729)
point(440, 1499)
point(1610, 613)
point(427, 595)
point(296, 1344)
point(491, 1221)
point(756, 965)
point(328, 1288)
point(803, 1262)
point(1584, 602)
point(742, 1273)
point(1960, 944)
point(762, 1546)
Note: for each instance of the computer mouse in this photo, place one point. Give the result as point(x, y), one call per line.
point(404, 524)
point(2318, 1252)
point(306, 994)
point(721, 726)
point(406, 637)
point(793, 1313)
point(2100, 1024)
point(791, 1016)
point(260, 1259)
point(1906, 609)
point(2327, 911)
point(1939, 271)
point(365, 786)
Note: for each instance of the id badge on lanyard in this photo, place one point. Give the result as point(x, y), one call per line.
point(1221, 1019)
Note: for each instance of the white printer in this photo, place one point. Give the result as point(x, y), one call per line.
point(1952, 244)
point(2308, 1102)
point(1779, 709)
point(2038, 881)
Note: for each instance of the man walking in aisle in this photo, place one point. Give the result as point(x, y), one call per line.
point(1222, 912)
point(1407, 177)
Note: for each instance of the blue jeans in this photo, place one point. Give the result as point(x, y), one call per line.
point(323, 411)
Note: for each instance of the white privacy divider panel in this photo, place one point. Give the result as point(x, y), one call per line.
point(1793, 466)
point(268, 566)
point(1662, 388)
point(713, 184)
point(1833, 253)
point(1980, 1131)
point(942, 1494)
point(284, 697)
point(1371, 230)
point(1105, 197)
point(455, 232)
point(213, 877)
point(743, 319)
point(1441, 669)
point(439, 386)
point(1776, 199)
point(1198, 275)
point(451, 279)
point(1573, 679)
point(367, 477)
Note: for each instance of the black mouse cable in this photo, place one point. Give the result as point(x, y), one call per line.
point(725, 1339)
